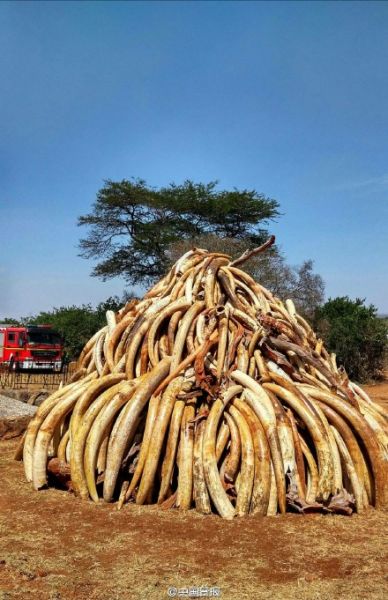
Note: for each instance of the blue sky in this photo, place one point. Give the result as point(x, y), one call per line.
point(289, 98)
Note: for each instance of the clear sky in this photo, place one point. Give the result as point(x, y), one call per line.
point(289, 98)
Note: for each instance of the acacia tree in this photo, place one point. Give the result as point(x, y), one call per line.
point(132, 226)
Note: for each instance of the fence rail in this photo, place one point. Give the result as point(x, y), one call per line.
point(23, 380)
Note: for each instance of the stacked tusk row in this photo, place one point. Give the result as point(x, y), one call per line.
point(210, 392)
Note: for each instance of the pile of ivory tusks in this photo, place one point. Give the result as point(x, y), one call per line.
point(210, 392)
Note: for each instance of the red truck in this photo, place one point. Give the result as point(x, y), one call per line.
point(34, 347)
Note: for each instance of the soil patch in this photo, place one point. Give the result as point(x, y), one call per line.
point(55, 546)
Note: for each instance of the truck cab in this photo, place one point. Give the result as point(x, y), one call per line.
point(34, 347)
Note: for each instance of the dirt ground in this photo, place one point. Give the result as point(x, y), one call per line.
point(379, 391)
point(55, 546)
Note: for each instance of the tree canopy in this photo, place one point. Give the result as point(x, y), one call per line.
point(132, 226)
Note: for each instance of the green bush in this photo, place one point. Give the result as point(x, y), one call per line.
point(77, 324)
point(356, 334)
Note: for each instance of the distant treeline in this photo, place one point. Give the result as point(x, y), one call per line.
point(349, 328)
point(76, 324)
